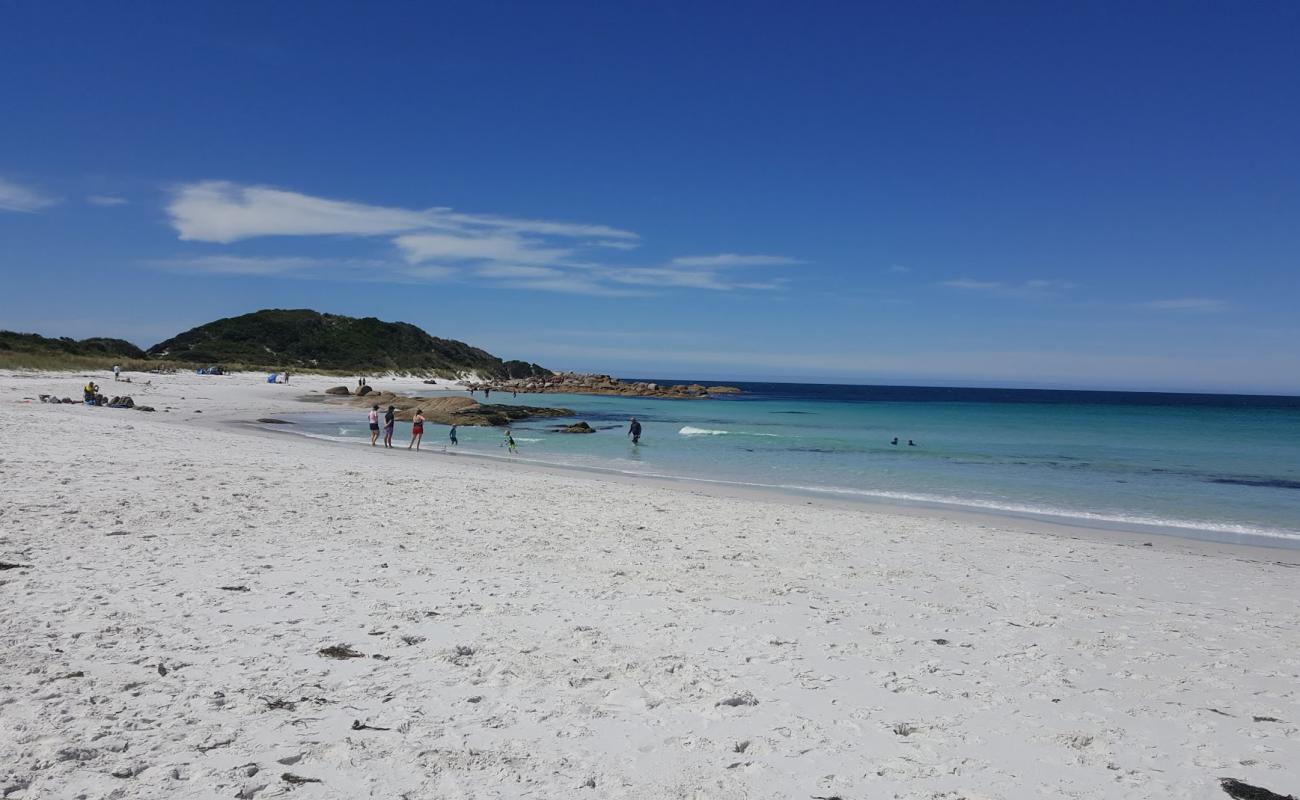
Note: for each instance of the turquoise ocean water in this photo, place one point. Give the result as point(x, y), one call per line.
point(1216, 467)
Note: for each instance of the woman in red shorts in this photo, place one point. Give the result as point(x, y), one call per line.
point(417, 429)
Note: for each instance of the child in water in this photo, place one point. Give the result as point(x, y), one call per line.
point(509, 443)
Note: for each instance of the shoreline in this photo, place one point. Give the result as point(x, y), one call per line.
point(200, 607)
point(1191, 539)
point(1123, 537)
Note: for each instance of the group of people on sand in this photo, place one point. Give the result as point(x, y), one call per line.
point(388, 420)
point(417, 428)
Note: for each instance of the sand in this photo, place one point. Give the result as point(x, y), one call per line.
point(529, 633)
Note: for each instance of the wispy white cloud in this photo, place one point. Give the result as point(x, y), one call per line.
point(225, 212)
point(419, 247)
point(106, 200)
point(1031, 290)
point(735, 260)
point(572, 284)
point(15, 197)
point(518, 271)
point(442, 244)
point(899, 268)
point(1185, 304)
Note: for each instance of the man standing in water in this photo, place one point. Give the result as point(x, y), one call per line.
point(389, 417)
point(634, 430)
point(451, 435)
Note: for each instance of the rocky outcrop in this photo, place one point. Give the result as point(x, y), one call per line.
point(338, 390)
point(453, 410)
point(577, 427)
point(577, 383)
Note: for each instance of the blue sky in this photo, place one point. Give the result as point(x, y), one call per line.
point(1085, 195)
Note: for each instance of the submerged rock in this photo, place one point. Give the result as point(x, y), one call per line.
point(577, 427)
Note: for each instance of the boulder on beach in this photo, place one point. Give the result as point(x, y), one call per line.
point(454, 410)
point(339, 390)
point(362, 391)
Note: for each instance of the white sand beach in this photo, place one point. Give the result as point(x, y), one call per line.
point(540, 633)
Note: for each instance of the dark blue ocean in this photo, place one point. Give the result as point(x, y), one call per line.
point(1221, 467)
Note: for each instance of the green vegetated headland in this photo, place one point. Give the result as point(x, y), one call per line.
point(275, 339)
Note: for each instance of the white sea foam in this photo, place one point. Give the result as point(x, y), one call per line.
point(687, 430)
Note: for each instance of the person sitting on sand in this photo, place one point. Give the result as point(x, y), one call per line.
point(89, 392)
point(374, 425)
point(389, 416)
point(417, 429)
point(634, 430)
point(451, 435)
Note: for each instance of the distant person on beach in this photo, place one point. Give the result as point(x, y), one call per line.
point(634, 430)
point(894, 442)
point(374, 425)
point(451, 436)
point(486, 393)
point(117, 371)
point(510, 442)
point(911, 443)
point(417, 429)
point(389, 416)
point(286, 377)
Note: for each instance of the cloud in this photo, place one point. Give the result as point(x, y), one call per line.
point(14, 197)
point(435, 246)
point(899, 268)
point(106, 200)
point(735, 260)
point(515, 272)
point(1185, 304)
point(225, 212)
point(1030, 290)
point(441, 244)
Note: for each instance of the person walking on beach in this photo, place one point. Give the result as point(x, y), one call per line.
point(374, 425)
point(451, 436)
point(634, 430)
point(417, 429)
point(117, 371)
point(389, 416)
